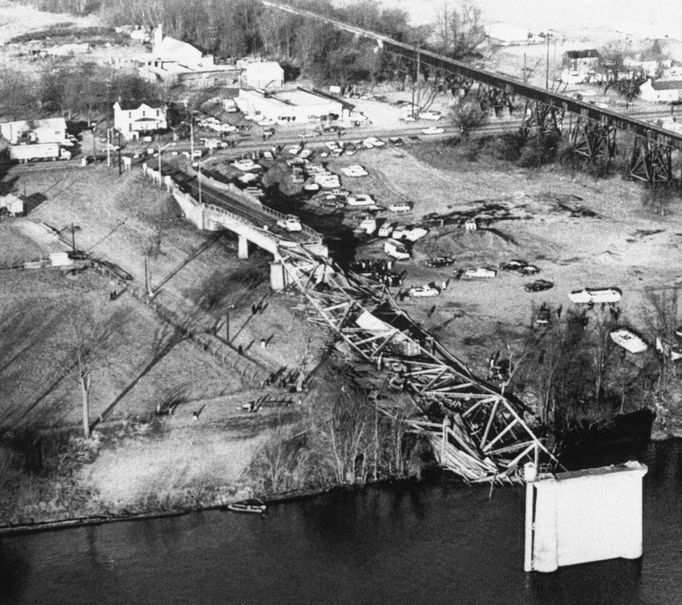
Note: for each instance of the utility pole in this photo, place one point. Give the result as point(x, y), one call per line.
point(108, 147)
point(547, 36)
point(418, 84)
point(73, 237)
point(525, 69)
point(120, 168)
point(199, 179)
point(191, 137)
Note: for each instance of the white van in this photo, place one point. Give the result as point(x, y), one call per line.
point(396, 250)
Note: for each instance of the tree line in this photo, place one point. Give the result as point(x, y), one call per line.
point(237, 28)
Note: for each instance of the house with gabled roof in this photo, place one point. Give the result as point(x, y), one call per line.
point(132, 118)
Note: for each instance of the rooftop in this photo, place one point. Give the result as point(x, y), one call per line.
point(666, 84)
point(127, 105)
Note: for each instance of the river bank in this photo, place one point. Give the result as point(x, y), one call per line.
point(422, 542)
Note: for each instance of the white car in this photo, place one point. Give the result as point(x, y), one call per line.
point(368, 225)
point(354, 170)
point(595, 296)
point(431, 115)
point(290, 222)
point(245, 165)
point(433, 130)
point(360, 199)
point(423, 291)
point(266, 122)
point(385, 230)
point(415, 233)
point(228, 128)
point(401, 207)
point(400, 231)
point(479, 273)
point(628, 340)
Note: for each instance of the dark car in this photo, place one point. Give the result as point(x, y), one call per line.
point(440, 261)
point(529, 270)
point(513, 265)
point(538, 285)
point(397, 141)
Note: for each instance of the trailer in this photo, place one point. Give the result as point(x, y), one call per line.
point(38, 151)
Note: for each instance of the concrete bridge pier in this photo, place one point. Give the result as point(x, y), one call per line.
point(243, 248)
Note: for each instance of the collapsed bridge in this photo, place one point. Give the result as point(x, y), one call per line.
point(475, 429)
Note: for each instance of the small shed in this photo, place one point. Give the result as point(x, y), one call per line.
point(13, 204)
point(60, 259)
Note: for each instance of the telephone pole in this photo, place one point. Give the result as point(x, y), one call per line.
point(547, 37)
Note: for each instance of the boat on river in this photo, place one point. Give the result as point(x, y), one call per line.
point(252, 505)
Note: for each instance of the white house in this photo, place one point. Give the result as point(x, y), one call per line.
point(263, 74)
point(661, 91)
point(297, 106)
point(50, 130)
point(132, 119)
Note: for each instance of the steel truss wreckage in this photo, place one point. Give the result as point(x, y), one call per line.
point(475, 429)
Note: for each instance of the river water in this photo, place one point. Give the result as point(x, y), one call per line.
point(432, 542)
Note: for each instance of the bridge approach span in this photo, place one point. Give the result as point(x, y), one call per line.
point(592, 134)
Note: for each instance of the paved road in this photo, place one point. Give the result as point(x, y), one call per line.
point(283, 138)
point(260, 217)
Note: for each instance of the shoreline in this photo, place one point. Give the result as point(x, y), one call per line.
point(657, 436)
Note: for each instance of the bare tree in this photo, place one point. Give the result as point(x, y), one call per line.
point(86, 353)
point(460, 33)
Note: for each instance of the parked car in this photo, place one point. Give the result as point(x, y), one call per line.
point(513, 265)
point(667, 349)
point(538, 285)
point(595, 296)
point(385, 230)
point(401, 207)
point(479, 273)
point(440, 261)
point(359, 199)
point(354, 170)
point(529, 270)
point(290, 222)
point(245, 165)
point(397, 141)
point(430, 115)
point(368, 225)
point(433, 130)
point(628, 340)
point(423, 291)
point(399, 231)
point(415, 233)
point(396, 250)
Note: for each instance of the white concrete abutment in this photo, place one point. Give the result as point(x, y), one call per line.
point(583, 516)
